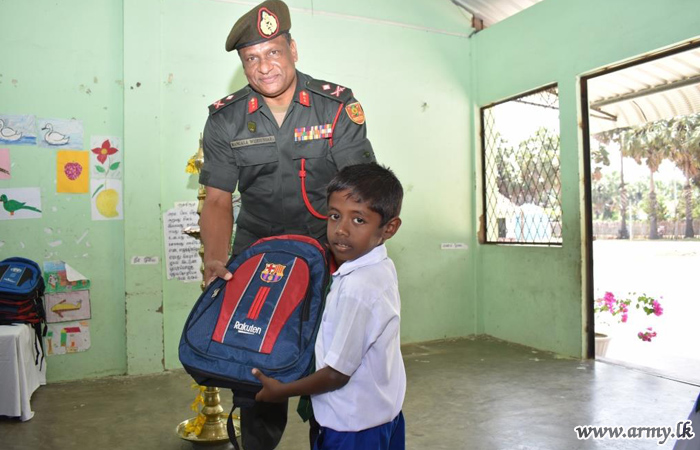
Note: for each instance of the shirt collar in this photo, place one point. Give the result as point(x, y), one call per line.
point(301, 96)
point(377, 254)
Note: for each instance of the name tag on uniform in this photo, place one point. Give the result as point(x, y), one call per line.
point(252, 141)
point(313, 132)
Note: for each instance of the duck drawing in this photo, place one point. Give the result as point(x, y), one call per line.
point(54, 137)
point(63, 306)
point(8, 134)
point(14, 205)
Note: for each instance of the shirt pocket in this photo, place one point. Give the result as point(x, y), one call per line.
point(313, 149)
point(256, 164)
point(319, 167)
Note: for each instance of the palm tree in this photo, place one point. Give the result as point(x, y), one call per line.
point(648, 144)
point(684, 149)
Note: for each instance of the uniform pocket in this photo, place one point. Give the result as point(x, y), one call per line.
point(256, 164)
point(317, 148)
point(256, 154)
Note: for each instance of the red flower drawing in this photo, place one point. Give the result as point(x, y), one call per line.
point(104, 151)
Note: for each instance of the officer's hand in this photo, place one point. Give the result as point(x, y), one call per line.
point(215, 269)
point(271, 391)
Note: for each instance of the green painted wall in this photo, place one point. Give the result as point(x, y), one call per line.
point(534, 295)
point(64, 60)
point(415, 95)
point(152, 67)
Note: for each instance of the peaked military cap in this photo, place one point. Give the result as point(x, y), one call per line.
point(264, 22)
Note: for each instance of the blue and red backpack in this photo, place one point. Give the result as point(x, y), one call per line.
point(21, 298)
point(266, 316)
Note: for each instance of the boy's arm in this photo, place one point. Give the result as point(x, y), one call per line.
point(325, 380)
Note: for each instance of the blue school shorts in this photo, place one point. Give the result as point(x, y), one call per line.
point(390, 436)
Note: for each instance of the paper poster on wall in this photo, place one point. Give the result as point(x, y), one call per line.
point(60, 277)
point(67, 306)
point(60, 133)
point(17, 130)
point(106, 200)
point(182, 258)
point(5, 164)
point(20, 203)
point(106, 157)
point(72, 171)
point(68, 337)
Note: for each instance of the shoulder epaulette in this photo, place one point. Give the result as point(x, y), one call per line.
point(330, 90)
point(228, 100)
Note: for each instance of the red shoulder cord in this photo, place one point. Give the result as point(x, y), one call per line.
point(302, 174)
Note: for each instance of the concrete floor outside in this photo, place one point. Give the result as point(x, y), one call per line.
point(661, 268)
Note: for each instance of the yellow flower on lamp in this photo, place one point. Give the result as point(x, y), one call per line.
point(194, 164)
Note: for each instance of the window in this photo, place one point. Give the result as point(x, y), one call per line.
point(521, 178)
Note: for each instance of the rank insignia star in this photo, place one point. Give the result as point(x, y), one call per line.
point(326, 87)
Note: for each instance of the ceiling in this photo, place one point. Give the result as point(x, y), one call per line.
point(492, 11)
point(658, 89)
point(646, 92)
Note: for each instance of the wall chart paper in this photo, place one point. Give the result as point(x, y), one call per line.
point(182, 259)
point(67, 306)
point(17, 130)
point(72, 172)
point(5, 165)
point(60, 277)
point(106, 200)
point(20, 203)
point(69, 337)
point(60, 133)
point(106, 157)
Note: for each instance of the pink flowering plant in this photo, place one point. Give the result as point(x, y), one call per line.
point(608, 308)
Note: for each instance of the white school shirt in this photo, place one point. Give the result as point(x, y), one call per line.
point(360, 337)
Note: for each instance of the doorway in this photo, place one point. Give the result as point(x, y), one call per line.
point(642, 159)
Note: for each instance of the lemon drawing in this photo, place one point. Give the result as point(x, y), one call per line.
point(106, 203)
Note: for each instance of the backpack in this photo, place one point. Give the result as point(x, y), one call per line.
point(21, 298)
point(266, 316)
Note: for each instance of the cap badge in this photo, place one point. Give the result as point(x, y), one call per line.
point(268, 24)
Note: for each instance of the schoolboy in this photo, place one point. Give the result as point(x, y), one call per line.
point(359, 385)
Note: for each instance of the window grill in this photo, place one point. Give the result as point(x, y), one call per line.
point(521, 176)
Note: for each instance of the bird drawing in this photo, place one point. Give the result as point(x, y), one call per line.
point(8, 134)
point(14, 205)
point(54, 137)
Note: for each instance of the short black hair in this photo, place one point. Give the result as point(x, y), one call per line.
point(371, 183)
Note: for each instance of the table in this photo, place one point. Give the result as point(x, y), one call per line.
point(19, 376)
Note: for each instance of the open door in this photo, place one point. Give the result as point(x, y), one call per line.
point(642, 163)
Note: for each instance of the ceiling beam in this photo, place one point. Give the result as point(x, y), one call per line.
point(648, 91)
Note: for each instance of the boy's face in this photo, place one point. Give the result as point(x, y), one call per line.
point(354, 229)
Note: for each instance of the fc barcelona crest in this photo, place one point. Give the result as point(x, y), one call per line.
point(272, 273)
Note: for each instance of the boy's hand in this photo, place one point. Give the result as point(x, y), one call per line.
point(272, 389)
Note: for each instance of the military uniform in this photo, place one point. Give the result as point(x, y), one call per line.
point(324, 128)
